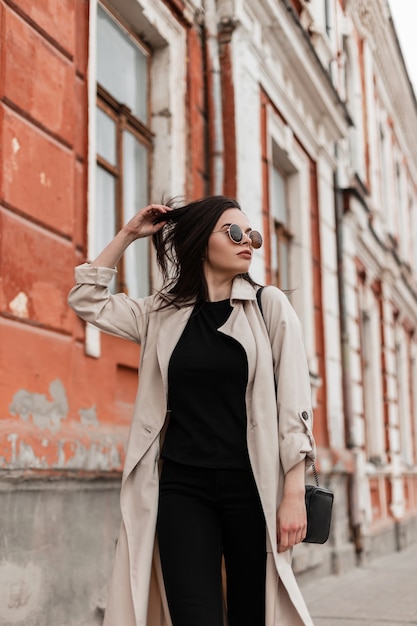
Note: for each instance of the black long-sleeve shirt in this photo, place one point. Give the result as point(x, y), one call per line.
point(207, 378)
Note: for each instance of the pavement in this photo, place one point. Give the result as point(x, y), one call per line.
point(382, 592)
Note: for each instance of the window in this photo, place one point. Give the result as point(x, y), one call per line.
point(383, 165)
point(281, 236)
point(372, 383)
point(402, 364)
point(413, 385)
point(328, 17)
point(412, 221)
point(398, 187)
point(124, 143)
point(386, 171)
point(402, 213)
point(354, 102)
point(287, 190)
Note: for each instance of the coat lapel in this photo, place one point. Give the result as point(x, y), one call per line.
point(147, 424)
point(237, 326)
point(169, 334)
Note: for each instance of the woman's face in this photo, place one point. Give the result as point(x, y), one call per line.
point(224, 258)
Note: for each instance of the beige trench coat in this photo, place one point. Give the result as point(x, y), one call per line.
point(136, 596)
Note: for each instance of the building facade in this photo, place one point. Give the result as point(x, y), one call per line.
point(303, 110)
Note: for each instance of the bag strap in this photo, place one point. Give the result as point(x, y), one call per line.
point(259, 301)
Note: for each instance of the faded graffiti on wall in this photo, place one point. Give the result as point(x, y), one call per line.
point(52, 440)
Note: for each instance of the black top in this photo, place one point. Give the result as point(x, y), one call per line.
point(207, 378)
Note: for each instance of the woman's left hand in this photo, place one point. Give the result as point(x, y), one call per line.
point(291, 514)
point(291, 521)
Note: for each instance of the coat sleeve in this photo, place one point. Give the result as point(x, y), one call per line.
point(295, 414)
point(116, 314)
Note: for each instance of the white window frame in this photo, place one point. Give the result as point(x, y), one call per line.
point(372, 377)
point(413, 378)
point(169, 60)
point(403, 395)
point(281, 229)
point(355, 99)
point(301, 271)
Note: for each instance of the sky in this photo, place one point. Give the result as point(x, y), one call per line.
point(404, 15)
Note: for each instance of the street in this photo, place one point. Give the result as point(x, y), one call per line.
point(382, 592)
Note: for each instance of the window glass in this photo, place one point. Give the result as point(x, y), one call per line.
point(372, 382)
point(105, 226)
point(105, 214)
point(106, 137)
point(383, 166)
point(328, 17)
point(281, 241)
point(284, 264)
point(135, 196)
point(121, 65)
point(123, 141)
point(279, 200)
point(404, 408)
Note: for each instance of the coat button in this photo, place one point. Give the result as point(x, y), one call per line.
point(304, 415)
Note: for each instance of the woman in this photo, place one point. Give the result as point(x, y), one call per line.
point(235, 444)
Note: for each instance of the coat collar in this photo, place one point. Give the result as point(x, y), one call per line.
point(241, 290)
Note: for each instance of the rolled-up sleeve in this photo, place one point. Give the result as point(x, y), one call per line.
point(295, 415)
point(116, 314)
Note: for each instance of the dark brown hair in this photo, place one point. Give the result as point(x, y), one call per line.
point(181, 246)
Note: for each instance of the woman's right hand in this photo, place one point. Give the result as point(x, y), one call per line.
point(143, 223)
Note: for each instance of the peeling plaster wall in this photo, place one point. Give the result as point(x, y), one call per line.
point(56, 551)
point(44, 413)
point(51, 439)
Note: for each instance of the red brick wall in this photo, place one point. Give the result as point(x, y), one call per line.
point(197, 183)
point(266, 222)
point(228, 109)
point(58, 407)
point(320, 412)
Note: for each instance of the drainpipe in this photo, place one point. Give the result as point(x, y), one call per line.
point(353, 479)
point(214, 89)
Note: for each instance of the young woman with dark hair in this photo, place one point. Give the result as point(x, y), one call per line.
point(221, 432)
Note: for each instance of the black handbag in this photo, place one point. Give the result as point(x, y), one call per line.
point(319, 505)
point(319, 501)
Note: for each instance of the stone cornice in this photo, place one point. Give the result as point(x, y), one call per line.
point(290, 45)
point(374, 20)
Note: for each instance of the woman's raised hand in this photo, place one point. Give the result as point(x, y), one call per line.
point(143, 224)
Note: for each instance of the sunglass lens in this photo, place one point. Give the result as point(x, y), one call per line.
point(256, 239)
point(236, 233)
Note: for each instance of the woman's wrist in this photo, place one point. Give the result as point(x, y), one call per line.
point(127, 235)
point(112, 253)
point(294, 481)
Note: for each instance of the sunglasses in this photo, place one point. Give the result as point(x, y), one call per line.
point(236, 235)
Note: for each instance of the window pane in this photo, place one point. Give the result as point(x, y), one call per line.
point(327, 17)
point(121, 65)
point(106, 137)
point(274, 251)
point(105, 213)
point(279, 197)
point(284, 265)
point(135, 196)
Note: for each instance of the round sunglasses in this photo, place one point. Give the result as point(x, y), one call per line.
point(236, 235)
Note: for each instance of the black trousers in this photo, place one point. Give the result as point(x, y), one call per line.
point(204, 514)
